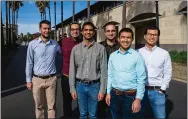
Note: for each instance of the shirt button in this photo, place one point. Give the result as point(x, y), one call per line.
point(87, 62)
point(87, 69)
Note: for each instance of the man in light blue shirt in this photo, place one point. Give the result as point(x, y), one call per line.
point(126, 78)
point(41, 70)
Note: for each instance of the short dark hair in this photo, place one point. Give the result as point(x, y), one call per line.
point(152, 28)
point(74, 23)
point(44, 22)
point(127, 30)
point(109, 23)
point(90, 24)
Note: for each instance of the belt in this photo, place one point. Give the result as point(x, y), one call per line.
point(88, 82)
point(44, 77)
point(130, 92)
point(153, 87)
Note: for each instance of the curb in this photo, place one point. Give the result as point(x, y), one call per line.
point(180, 80)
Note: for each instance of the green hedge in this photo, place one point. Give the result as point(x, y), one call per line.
point(179, 57)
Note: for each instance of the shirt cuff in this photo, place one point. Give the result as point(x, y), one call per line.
point(139, 97)
point(73, 89)
point(163, 87)
point(28, 80)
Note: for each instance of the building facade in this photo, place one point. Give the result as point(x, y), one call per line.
point(140, 14)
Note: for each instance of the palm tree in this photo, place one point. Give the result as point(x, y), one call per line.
point(2, 33)
point(48, 6)
point(62, 18)
point(124, 14)
point(55, 20)
point(7, 31)
point(15, 6)
point(73, 10)
point(88, 10)
point(41, 5)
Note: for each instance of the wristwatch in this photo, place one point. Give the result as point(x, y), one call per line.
point(163, 91)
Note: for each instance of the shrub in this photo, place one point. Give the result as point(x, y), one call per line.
point(179, 57)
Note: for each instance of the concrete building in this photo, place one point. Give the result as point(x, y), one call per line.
point(139, 15)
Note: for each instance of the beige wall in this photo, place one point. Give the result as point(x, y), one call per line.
point(172, 26)
point(100, 19)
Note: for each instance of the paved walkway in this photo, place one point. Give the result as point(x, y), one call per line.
point(17, 102)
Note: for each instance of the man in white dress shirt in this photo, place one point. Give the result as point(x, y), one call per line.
point(159, 71)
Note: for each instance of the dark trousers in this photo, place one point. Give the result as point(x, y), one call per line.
point(104, 109)
point(67, 98)
point(121, 106)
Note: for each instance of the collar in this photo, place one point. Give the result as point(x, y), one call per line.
point(40, 41)
point(151, 49)
point(130, 51)
point(91, 44)
point(115, 42)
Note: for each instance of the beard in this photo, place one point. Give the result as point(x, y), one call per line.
point(46, 37)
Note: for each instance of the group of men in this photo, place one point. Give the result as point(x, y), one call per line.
point(98, 75)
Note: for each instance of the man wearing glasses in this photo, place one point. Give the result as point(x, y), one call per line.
point(111, 44)
point(88, 72)
point(67, 45)
point(159, 71)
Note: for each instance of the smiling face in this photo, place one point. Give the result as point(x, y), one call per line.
point(45, 30)
point(88, 32)
point(110, 32)
point(125, 40)
point(151, 37)
point(75, 30)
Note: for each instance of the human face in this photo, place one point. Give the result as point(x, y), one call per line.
point(151, 37)
point(88, 32)
point(45, 30)
point(110, 32)
point(125, 40)
point(75, 30)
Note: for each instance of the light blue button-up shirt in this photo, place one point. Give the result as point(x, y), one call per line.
point(41, 58)
point(126, 71)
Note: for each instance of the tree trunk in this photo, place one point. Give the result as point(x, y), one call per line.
point(49, 14)
point(9, 28)
point(124, 14)
point(7, 31)
point(62, 34)
point(88, 10)
point(2, 33)
point(12, 29)
point(73, 10)
point(45, 14)
point(41, 16)
point(55, 20)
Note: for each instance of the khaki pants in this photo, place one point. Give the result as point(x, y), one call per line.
point(40, 88)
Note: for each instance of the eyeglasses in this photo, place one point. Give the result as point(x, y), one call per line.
point(74, 29)
point(110, 31)
point(149, 34)
point(90, 30)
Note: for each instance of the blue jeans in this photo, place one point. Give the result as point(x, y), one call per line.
point(87, 99)
point(121, 106)
point(157, 101)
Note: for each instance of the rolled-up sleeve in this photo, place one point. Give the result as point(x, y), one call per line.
point(29, 63)
point(141, 77)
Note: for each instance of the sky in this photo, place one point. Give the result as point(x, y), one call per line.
point(29, 15)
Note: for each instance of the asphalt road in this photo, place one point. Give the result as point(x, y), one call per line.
point(17, 101)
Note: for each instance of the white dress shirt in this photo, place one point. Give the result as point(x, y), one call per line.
point(158, 65)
